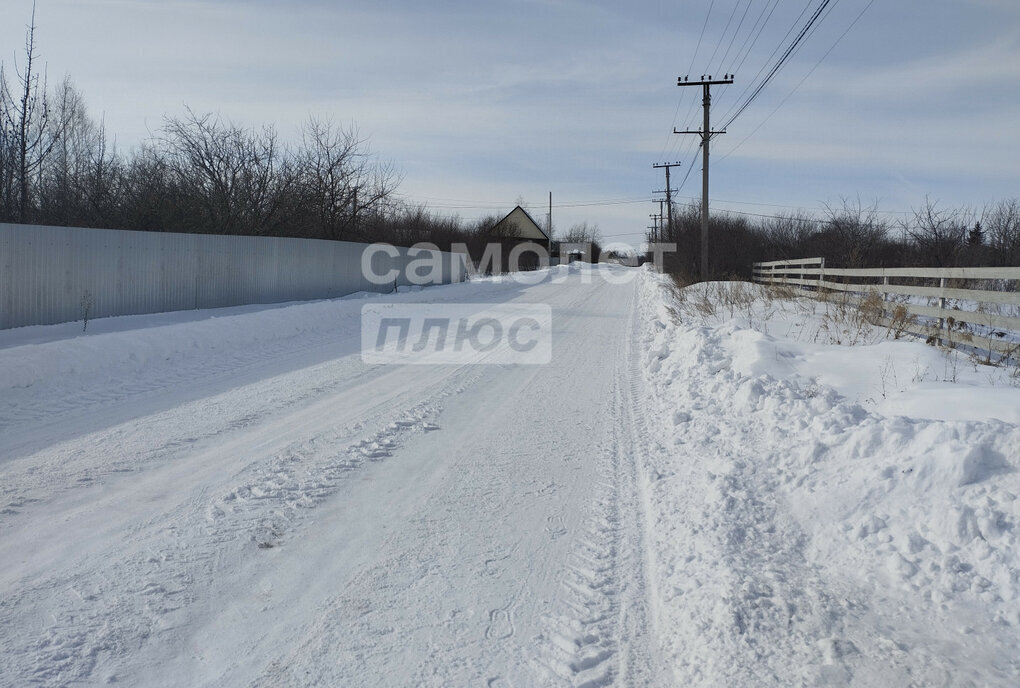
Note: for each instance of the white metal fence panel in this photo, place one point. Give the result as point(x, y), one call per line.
point(51, 274)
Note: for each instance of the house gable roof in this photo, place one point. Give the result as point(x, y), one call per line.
point(526, 225)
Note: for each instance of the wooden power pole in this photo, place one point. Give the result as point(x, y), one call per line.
point(655, 227)
point(549, 220)
point(706, 135)
point(669, 195)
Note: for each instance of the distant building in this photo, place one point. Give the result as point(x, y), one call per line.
point(520, 226)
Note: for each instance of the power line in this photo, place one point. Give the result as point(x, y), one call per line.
point(689, 169)
point(760, 26)
point(601, 203)
point(464, 204)
point(722, 36)
point(782, 60)
point(801, 82)
point(694, 57)
point(736, 31)
point(681, 151)
point(806, 212)
point(791, 207)
point(768, 60)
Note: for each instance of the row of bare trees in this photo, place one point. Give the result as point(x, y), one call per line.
point(27, 132)
point(197, 173)
point(849, 235)
point(200, 173)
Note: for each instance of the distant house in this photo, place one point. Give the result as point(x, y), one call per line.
point(518, 225)
point(630, 260)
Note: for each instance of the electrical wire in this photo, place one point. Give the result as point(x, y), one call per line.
point(464, 204)
point(782, 60)
point(801, 82)
point(722, 37)
point(751, 82)
point(733, 38)
point(690, 167)
point(746, 49)
point(693, 58)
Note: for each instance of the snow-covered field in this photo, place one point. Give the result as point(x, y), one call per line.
point(681, 497)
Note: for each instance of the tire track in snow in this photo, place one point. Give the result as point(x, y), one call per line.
point(444, 595)
point(127, 449)
point(600, 633)
point(116, 602)
point(272, 494)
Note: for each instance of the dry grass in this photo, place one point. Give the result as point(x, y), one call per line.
point(703, 301)
point(849, 319)
point(903, 321)
point(844, 318)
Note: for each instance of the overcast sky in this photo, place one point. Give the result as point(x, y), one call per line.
point(479, 104)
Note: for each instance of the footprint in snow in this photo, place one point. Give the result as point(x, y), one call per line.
point(501, 624)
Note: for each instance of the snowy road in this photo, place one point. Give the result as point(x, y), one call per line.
point(275, 512)
point(705, 494)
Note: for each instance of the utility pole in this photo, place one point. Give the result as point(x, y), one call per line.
point(659, 234)
point(654, 227)
point(706, 134)
point(657, 225)
point(549, 223)
point(669, 194)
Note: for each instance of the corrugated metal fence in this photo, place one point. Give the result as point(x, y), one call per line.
point(49, 274)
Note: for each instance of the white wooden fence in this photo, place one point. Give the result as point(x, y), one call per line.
point(971, 290)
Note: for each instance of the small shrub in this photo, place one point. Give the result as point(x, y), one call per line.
point(902, 320)
point(781, 291)
point(86, 308)
point(872, 307)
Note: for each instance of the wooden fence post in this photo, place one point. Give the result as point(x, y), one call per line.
point(922, 284)
point(942, 307)
point(885, 294)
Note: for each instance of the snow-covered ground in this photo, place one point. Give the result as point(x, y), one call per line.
point(816, 520)
point(680, 497)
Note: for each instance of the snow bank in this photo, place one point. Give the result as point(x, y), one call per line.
point(813, 523)
point(149, 352)
point(133, 346)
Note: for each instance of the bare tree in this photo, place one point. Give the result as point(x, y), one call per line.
point(483, 226)
point(340, 186)
point(235, 176)
point(81, 179)
point(7, 150)
point(1001, 224)
point(855, 233)
point(586, 234)
point(582, 233)
point(502, 230)
point(150, 198)
point(786, 237)
point(28, 137)
point(938, 235)
point(330, 172)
